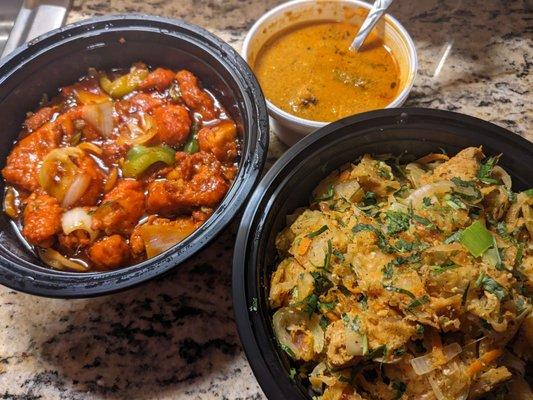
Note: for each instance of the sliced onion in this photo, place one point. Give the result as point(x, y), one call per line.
point(76, 219)
point(283, 319)
point(77, 188)
point(91, 148)
point(429, 190)
point(349, 190)
point(424, 364)
point(438, 392)
point(354, 342)
point(318, 334)
point(100, 116)
point(414, 173)
point(503, 175)
point(86, 97)
point(436, 389)
point(57, 261)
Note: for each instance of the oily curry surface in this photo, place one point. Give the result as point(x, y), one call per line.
point(309, 72)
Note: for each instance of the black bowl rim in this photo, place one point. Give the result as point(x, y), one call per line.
point(246, 308)
point(16, 273)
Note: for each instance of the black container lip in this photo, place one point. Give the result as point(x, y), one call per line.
point(18, 274)
point(251, 318)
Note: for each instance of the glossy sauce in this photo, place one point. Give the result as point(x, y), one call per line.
point(309, 72)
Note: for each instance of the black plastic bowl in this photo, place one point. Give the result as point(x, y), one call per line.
point(60, 58)
point(288, 186)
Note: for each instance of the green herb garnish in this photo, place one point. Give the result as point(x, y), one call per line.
point(445, 267)
point(320, 230)
point(485, 170)
point(396, 289)
point(253, 306)
point(418, 302)
point(491, 286)
point(396, 222)
point(326, 196)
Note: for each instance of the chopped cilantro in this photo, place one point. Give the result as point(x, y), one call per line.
point(339, 255)
point(388, 271)
point(382, 241)
point(529, 192)
point(418, 302)
point(377, 352)
point(501, 228)
point(292, 373)
point(511, 196)
point(396, 222)
point(311, 304)
point(424, 221)
point(369, 199)
point(327, 305)
point(445, 267)
point(454, 237)
point(392, 288)
point(426, 201)
point(399, 389)
point(287, 350)
point(322, 283)
point(485, 170)
point(253, 306)
point(519, 255)
point(327, 256)
point(323, 322)
point(326, 196)
point(400, 351)
point(420, 329)
point(363, 301)
point(491, 286)
point(320, 230)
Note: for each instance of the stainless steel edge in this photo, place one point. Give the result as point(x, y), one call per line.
point(34, 18)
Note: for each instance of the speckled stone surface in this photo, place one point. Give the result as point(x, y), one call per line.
point(175, 338)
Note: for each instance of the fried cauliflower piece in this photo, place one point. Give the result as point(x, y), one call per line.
point(42, 219)
point(194, 96)
point(110, 252)
point(23, 163)
point(121, 208)
point(196, 181)
point(219, 140)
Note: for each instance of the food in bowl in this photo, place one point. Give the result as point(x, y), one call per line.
point(308, 71)
point(408, 281)
point(119, 167)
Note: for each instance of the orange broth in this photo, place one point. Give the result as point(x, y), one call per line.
point(309, 72)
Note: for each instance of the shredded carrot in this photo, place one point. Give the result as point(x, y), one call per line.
point(303, 246)
point(485, 359)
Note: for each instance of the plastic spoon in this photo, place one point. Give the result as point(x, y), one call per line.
point(377, 10)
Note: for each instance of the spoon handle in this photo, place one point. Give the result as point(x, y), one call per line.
point(378, 9)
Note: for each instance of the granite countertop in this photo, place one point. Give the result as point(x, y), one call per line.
point(175, 337)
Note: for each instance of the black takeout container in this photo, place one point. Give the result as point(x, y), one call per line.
point(289, 183)
point(62, 56)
